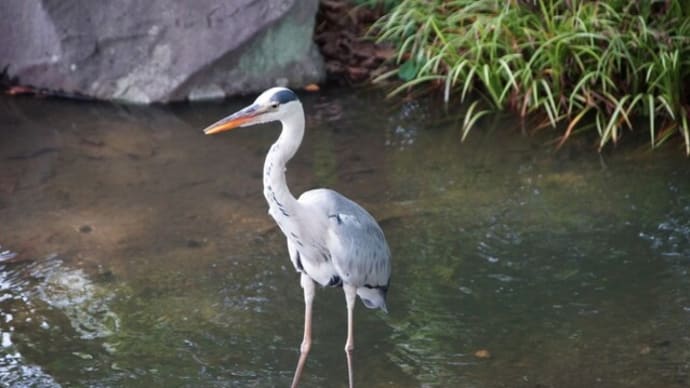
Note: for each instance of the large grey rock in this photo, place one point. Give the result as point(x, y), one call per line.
point(159, 50)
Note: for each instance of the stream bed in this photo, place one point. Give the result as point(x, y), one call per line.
point(135, 251)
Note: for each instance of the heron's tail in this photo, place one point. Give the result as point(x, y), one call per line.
point(373, 298)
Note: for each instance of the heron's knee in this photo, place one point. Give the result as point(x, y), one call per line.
point(349, 348)
point(305, 347)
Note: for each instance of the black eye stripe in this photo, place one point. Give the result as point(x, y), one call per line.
point(283, 96)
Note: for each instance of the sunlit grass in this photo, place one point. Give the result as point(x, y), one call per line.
point(571, 61)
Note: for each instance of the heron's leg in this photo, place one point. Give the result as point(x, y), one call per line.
point(308, 286)
point(350, 295)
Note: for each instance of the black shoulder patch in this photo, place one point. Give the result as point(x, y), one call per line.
point(283, 96)
point(299, 262)
point(335, 281)
point(336, 217)
point(383, 289)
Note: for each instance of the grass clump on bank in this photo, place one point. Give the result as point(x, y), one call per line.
point(573, 61)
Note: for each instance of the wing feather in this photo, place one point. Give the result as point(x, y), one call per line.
point(353, 238)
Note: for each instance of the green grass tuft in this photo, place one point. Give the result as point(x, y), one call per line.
point(565, 59)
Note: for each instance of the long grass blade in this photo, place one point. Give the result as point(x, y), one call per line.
point(471, 118)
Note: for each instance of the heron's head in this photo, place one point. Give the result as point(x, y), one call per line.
point(274, 104)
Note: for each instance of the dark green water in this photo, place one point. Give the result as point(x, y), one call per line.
point(145, 256)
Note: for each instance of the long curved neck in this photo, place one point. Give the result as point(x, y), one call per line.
point(281, 202)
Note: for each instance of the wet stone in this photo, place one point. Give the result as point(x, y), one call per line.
point(92, 142)
point(83, 356)
point(106, 277)
point(192, 243)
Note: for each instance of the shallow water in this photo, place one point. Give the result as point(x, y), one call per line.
point(145, 257)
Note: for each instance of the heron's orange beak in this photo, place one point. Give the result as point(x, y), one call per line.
point(235, 120)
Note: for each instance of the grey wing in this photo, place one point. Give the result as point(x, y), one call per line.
point(354, 240)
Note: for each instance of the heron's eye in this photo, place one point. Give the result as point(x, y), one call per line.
point(274, 105)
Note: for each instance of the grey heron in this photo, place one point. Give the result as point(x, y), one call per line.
point(331, 240)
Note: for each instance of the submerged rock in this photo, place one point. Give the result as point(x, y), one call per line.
point(159, 50)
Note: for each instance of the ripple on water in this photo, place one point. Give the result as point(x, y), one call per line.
point(671, 239)
point(15, 371)
point(6, 254)
point(85, 304)
point(25, 290)
point(672, 235)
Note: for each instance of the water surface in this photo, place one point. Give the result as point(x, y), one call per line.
point(138, 252)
